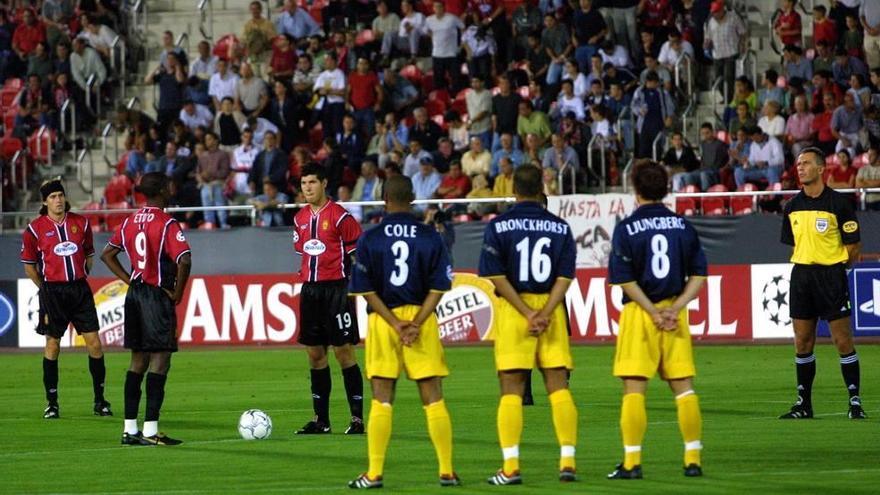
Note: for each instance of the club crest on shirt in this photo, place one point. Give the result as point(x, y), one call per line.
point(74, 229)
point(325, 225)
point(821, 225)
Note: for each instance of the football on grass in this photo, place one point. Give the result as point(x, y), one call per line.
point(254, 424)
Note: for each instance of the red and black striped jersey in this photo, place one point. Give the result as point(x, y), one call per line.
point(324, 238)
point(154, 243)
point(60, 247)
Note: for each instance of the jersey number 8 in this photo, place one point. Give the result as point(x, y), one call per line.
point(540, 263)
point(659, 256)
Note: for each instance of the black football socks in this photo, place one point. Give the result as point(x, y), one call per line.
point(99, 372)
point(155, 396)
point(805, 365)
point(321, 386)
point(50, 380)
point(132, 394)
point(849, 368)
point(354, 389)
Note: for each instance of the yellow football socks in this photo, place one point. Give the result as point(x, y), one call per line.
point(633, 423)
point(378, 436)
point(690, 422)
point(510, 424)
point(440, 430)
point(565, 423)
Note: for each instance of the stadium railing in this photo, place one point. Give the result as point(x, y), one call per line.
point(205, 9)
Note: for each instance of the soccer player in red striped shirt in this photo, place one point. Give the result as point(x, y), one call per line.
point(160, 265)
point(325, 235)
point(57, 250)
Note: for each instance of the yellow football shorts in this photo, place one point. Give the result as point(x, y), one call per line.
point(643, 349)
point(515, 349)
point(387, 356)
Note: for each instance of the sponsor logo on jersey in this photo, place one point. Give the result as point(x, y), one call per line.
point(65, 248)
point(51, 233)
point(314, 247)
point(180, 237)
point(821, 225)
point(7, 314)
point(850, 227)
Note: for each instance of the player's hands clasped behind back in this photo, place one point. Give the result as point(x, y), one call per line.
point(408, 331)
point(665, 319)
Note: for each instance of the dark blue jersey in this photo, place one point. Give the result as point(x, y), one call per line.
point(530, 246)
point(401, 260)
point(658, 250)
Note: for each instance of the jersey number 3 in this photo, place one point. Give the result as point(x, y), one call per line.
point(400, 250)
point(659, 256)
point(536, 260)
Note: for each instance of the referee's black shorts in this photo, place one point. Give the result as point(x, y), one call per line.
point(65, 303)
point(819, 292)
point(150, 319)
point(326, 314)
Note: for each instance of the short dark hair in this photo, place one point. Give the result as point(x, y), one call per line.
point(820, 155)
point(527, 181)
point(707, 125)
point(399, 189)
point(316, 169)
point(650, 180)
point(152, 185)
point(821, 8)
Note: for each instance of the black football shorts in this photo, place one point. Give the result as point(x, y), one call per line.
point(819, 292)
point(326, 314)
point(150, 319)
point(66, 303)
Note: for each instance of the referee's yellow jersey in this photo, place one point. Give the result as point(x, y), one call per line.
point(819, 228)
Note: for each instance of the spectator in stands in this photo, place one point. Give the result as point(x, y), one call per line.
point(588, 32)
point(351, 144)
point(537, 58)
point(526, 19)
point(26, 36)
point(480, 190)
point(846, 122)
point(271, 164)
point(680, 161)
point(648, 44)
point(579, 80)
point(477, 159)
point(395, 136)
point(365, 96)
point(799, 127)
point(228, 124)
point(551, 185)
point(505, 111)
point(443, 30)
point(260, 127)
point(824, 28)
point(455, 184)
point(170, 77)
point(788, 24)
point(869, 176)
point(457, 131)
point(194, 115)
point(169, 163)
point(872, 125)
point(770, 91)
point(845, 66)
point(479, 107)
point(223, 84)
point(426, 130)
point(823, 82)
point(251, 95)
point(506, 151)
point(212, 172)
point(34, 104)
point(713, 156)
point(409, 33)
point(651, 65)
point(61, 62)
point(368, 188)
point(614, 54)
point(869, 15)
point(283, 62)
point(842, 175)
point(560, 155)
point(479, 46)
point(567, 102)
point(653, 107)
point(413, 160)
point(331, 87)
point(656, 15)
point(425, 181)
point(672, 51)
point(243, 158)
point(557, 43)
point(859, 90)
point(55, 16)
point(821, 127)
point(623, 23)
point(39, 63)
point(98, 36)
point(771, 122)
point(168, 48)
point(268, 204)
point(258, 35)
point(401, 94)
point(725, 38)
point(385, 22)
point(139, 161)
point(204, 66)
point(296, 22)
point(766, 159)
point(531, 121)
point(503, 186)
point(445, 155)
point(824, 58)
point(743, 92)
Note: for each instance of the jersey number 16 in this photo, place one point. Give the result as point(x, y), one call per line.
point(536, 260)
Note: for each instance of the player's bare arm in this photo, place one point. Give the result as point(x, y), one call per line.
point(33, 273)
point(854, 251)
point(557, 295)
point(506, 290)
point(404, 328)
point(109, 257)
point(184, 265)
point(691, 290)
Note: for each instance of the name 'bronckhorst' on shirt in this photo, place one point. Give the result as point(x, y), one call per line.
point(656, 223)
point(531, 225)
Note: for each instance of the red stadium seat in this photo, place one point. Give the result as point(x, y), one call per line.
point(714, 206)
point(41, 148)
point(748, 186)
point(9, 119)
point(13, 83)
point(364, 37)
point(118, 189)
point(411, 73)
point(460, 106)
point(122, 164)
point(114, 220)
point(427, 82)
point(96, 220)
point(435, 107)
point(440, 95)
point(723, 136)
point(221, 49)
point(317, 15)
point(7, 97)
point(315, 137)
point(692, 189)
point(742, 205)
point(832, 160)
point(9, 145)
point(510, 6)
point(860, 161)
point(685, 206)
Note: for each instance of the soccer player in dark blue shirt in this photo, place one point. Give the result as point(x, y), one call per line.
point(529, 254)
point(402, 269)
point(657, 259)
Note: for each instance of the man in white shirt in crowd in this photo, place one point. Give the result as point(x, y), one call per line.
point(260, 126)
point(205, 65)
point(330, 85)
point(479, 107)
point(193, 115)
point(99, 36)
point(409, 33)
point(414, 158)
point(243, 158)
point(673, 49)
point(444, 30)
point(222, 85)
point(766, 159)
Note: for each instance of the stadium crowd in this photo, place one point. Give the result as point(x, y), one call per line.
point(456, 94)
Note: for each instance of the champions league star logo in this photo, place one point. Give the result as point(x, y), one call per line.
point(774, 300)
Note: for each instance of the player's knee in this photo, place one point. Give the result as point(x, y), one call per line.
point(53, 348)
point(345, 356)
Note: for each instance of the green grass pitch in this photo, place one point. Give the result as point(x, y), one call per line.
point(742, 389)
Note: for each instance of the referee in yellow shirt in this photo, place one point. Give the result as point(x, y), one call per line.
point(821, 225)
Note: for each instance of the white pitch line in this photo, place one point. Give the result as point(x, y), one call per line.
point(800, 473)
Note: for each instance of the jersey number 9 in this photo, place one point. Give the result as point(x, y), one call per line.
point(537, 260)
point(140, 247)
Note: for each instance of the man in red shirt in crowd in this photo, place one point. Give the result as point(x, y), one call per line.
point(455, 184)
point(160, 263)
point(788, 24)
point(27, 35)
point(57, 251)
point(364, 96)
point(824, 28)
point(326, 235)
